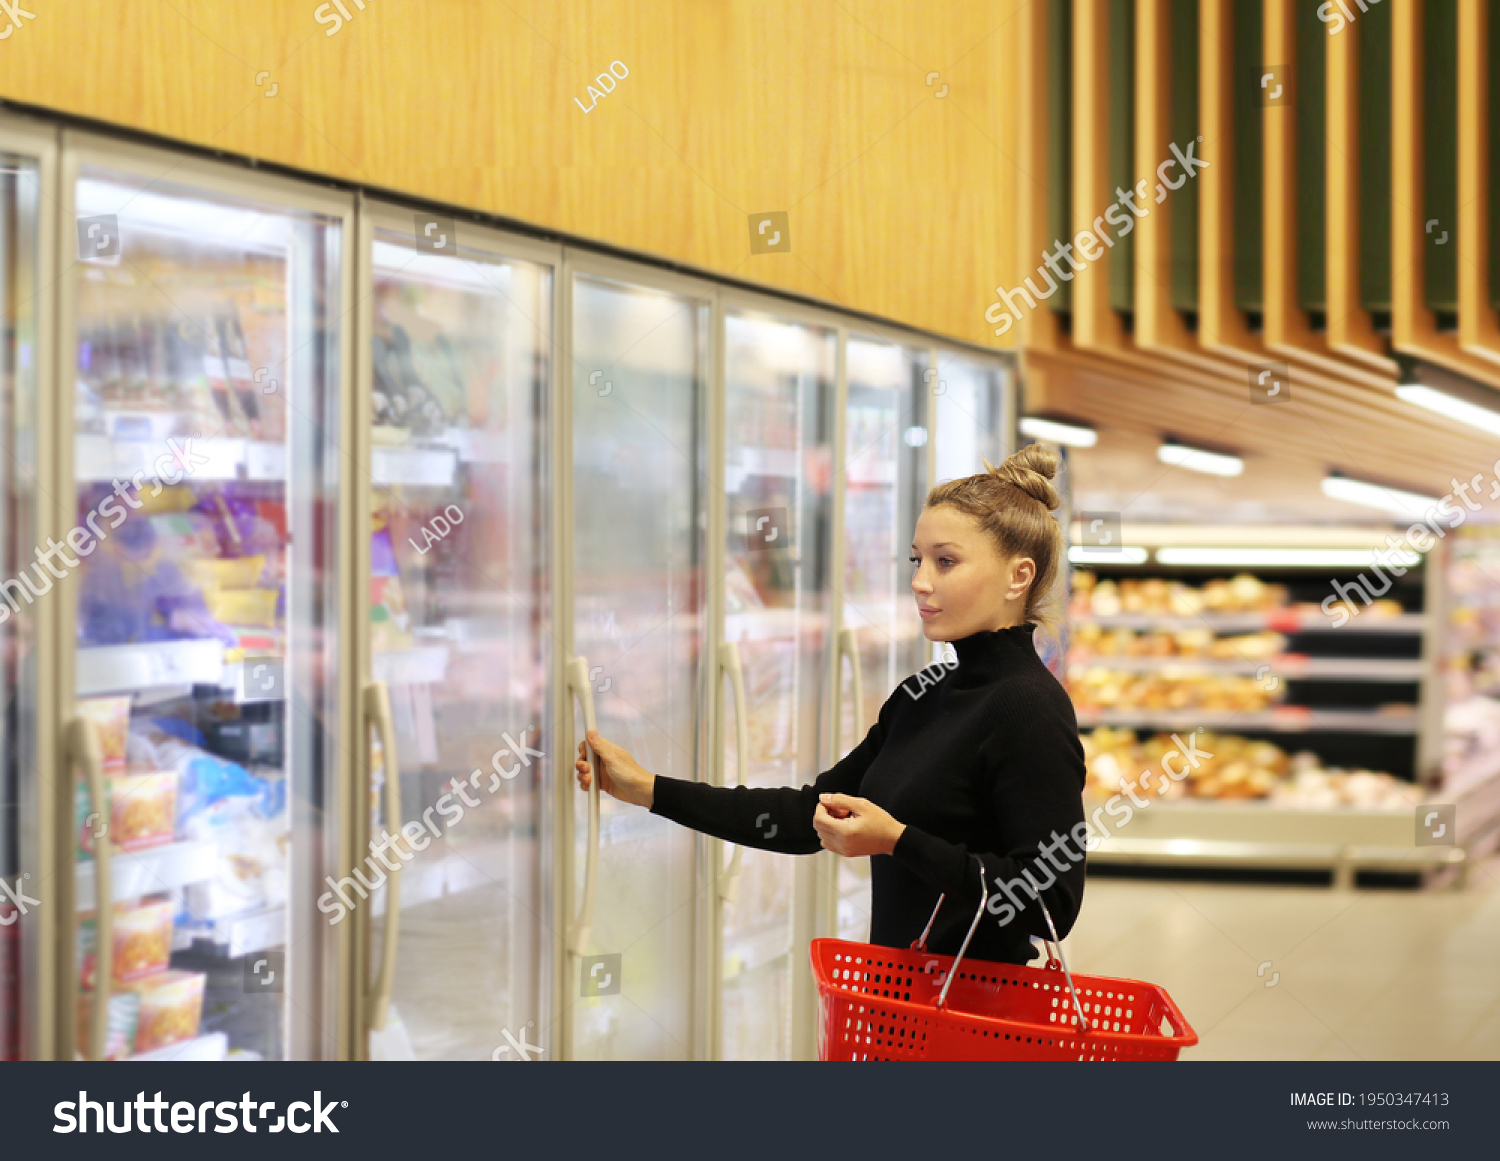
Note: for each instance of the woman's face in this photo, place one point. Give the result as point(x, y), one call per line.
point(961, 582)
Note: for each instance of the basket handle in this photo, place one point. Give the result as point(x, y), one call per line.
point(1054, 950)
point(1083, 1024)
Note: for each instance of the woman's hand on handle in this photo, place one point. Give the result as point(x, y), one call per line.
point(855, 827)
point(620, 775)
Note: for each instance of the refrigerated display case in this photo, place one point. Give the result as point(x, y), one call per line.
point(640, 373)
point(457, 401)
point(342, 547)
point(204, 319)
point(779, 399)
point(26, 162)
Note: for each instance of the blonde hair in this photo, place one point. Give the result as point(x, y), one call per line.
point(1013, 504)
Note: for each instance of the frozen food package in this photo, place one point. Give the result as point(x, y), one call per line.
point(171, 1007)
point(183, 535)
point(142, 809)
point(390, 625)
point(142, 942)
point(236, 573)
point(131, 589)
point(255, 608)
point(142, 939)
point(119, 1026)
point(110, 717)
point(203, 778)
point(250, 870)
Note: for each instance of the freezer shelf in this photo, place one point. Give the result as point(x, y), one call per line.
point(100, 459)
point(146, 872)
point(106, 669)
point(214, 1046)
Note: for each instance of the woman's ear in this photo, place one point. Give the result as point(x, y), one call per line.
point(1022, 573)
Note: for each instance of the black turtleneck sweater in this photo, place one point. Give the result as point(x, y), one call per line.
point(982, 763)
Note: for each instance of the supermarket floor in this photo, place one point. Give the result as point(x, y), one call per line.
point(1352, 975)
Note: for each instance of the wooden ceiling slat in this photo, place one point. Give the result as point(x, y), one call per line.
point(1478, 327)
point(1096, 326)
point(1158, 326)
point(1413, 324)
point(1221, 327)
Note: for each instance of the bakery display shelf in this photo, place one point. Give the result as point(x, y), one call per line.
point(1293, 666)
point(1259, 834)
point(1278, 620)
point(1283, 719)
point(1343, 862)
point(210, 1046)
point(145, 872)
point(106, 669)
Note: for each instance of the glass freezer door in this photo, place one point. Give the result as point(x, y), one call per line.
point(972, 416)
point(24, 887)
point(886, 448)
point(204, 318)
point(639, 514)
point(459, 624)
point(779, 413)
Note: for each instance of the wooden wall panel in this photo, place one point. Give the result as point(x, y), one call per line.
point(902, 201)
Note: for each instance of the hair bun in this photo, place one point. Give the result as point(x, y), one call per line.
point(1032, 470)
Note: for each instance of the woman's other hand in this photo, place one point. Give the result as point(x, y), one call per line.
point(620, 775)
point(855, 827)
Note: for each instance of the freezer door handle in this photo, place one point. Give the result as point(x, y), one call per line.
point(849, 647)
point(729, 662)
point(84, 749)
point(377, 707)
point(579, 687)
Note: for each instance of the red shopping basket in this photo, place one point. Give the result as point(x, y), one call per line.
point(882, 1003)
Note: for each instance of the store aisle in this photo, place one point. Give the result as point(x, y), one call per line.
point(1361, 975)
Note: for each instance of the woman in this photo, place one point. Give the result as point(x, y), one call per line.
point(970, 770)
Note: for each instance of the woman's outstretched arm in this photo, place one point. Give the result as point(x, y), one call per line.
point(772, 819)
